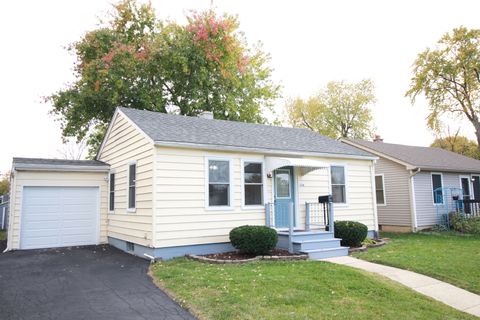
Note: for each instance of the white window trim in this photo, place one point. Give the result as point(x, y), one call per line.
point(431, 188)
point(134, 209)
point(472, 196)
point(345, 170)
point(384, 204)
point(469, 184)
point(114, 190)
point(232, 180)
point(264, 180)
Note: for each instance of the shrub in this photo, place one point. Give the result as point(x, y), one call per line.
point(352, 233)
point(254, 240)
point(461, 223)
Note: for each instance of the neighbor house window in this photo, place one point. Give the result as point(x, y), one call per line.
point(132, 179)
point(338, 184)
point(380, 189)
point(218, 183)
point(436, 188)
point(253, 183)
point(111, 194)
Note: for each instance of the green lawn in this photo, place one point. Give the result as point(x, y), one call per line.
point(3, 235)
point(292, 290)
point(449, 257)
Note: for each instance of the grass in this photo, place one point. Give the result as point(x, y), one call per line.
point(3, 235)
point(449, 257)
point(292, 290)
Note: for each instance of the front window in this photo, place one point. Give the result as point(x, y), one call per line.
point(338, 184)
point(380, 189)
point(132, 176)
point(253, 183)
point(437, 188)
point(218, 183)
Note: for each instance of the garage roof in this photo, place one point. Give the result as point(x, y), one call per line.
point(59, 164)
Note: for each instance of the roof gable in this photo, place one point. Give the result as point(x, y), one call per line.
point(161, 127)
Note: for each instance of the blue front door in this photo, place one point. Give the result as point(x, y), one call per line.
point(284, 195)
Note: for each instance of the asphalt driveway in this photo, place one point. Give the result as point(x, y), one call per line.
point(97, 282)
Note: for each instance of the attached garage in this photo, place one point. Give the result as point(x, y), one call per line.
point(59, 217)
point(57, 203)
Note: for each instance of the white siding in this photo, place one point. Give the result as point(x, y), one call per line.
point(360, 202)
point(50, 179)
point(181, 217)
point(397, 211)
point(426, 210)
point(125, 144)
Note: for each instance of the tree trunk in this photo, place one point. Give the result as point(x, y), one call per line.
point(476, 124)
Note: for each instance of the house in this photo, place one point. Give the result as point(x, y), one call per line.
point(415, 184)
point(167, 185)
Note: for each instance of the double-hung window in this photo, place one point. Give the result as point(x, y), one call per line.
point(437, 188)
point(219, 187)
point(132, 185)
point(339, 193)
point(380, 189)
point(253, 183)
point(111, 192)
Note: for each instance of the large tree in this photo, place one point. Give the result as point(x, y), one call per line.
point(457, 143)
point(341, 110)
point(5, 183)
point(137, 61)
point(449, 77)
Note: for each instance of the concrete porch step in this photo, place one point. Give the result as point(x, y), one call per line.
point(316, 244)
point(326, 253)
point(307, 235)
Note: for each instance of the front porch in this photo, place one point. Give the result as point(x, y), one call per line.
point(315, 238)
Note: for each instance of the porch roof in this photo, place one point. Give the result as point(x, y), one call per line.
point(306, 165)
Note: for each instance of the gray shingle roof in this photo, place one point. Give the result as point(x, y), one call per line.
point(41, 162)
point(161, 127)
point(424, 157)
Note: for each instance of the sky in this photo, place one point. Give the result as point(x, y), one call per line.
point(310, 43)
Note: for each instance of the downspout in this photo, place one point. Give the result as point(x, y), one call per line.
point(413, 206)
point(374, 198)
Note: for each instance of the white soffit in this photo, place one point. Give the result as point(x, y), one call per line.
point(306, 165)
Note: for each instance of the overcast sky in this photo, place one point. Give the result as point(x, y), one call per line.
point(310, 42)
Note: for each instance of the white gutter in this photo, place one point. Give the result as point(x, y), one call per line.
point(205, 146)
point(54, 167)
point(413, 205)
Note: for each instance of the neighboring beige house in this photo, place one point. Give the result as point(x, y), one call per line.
point(416, 185)
point(167, 185)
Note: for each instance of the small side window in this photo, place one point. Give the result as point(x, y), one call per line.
point(132, 176)
point(111, 195)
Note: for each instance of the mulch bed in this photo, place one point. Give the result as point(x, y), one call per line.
point(236, 257)
point(3, 245)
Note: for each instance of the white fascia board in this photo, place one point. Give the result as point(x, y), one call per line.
point(189, 145)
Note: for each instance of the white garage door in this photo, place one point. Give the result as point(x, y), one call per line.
point(59, 217)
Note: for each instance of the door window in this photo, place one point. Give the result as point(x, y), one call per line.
point(282, 183)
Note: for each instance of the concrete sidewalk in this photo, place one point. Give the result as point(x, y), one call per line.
point(455, 297)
